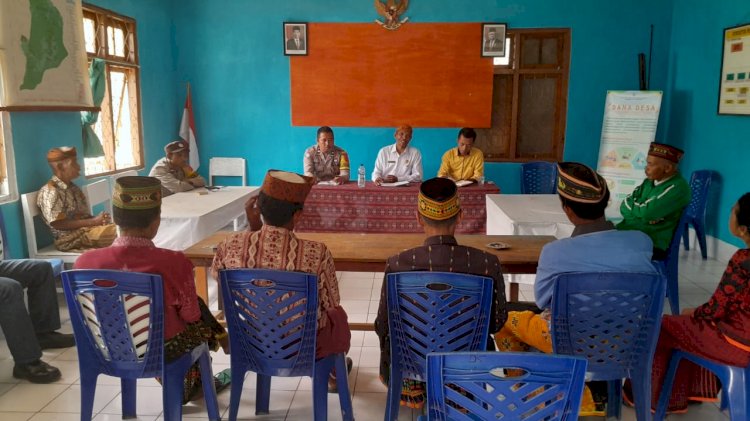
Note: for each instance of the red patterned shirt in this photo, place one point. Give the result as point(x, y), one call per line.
point(729, 307)
point(140, 255)
point(278, 248)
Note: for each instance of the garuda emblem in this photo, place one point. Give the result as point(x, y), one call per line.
point(391, 10)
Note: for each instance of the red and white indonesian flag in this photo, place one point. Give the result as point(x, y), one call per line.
point(187, 132)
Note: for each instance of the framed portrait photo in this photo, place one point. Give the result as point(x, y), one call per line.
point(295, 39)
point(493, 40)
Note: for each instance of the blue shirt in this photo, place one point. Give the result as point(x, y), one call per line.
point(601, 251)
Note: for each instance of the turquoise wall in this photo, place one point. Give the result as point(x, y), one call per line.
point(231, 52)
point(711, 141)
point(35, 133)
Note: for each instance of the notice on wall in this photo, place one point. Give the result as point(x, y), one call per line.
point(630, 119)
point(734, 94)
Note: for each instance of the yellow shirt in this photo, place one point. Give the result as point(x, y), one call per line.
point(462, 167)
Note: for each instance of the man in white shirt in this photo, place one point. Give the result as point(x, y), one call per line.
point(398, 162)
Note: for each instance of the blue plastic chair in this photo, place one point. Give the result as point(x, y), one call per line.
point(57, 264)
point(669, 267)
point(118, 323)
point(735, 381)
point(539, 178)
point(700, 183)
point(612, 319)
point(475, 385)
point(272, 321)
point(432, 312)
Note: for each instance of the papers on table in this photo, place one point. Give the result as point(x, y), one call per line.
point(396, 184)
point(461, 183)
point(328, 183)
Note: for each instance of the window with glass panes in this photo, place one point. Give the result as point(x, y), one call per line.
point(112, 38)
point(529, 98)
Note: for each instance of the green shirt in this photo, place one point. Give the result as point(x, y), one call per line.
point(655, 209)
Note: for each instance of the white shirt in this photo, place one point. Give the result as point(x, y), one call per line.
point(406, 166)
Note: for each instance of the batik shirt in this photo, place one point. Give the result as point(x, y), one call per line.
point(59, 201)
point(440, 253)
point(141, 255)
point(278, 248)
point(326, 166)
point(655, 207)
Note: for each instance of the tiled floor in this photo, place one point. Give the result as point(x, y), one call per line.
point(291, 397)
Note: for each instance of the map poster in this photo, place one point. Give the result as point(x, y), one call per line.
point(734, 92)
point(630, 119)
point(43, 62)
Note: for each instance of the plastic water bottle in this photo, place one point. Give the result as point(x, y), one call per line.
point(361, 176)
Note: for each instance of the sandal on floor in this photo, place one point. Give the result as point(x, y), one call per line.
point(222, 379)
point(332, 388)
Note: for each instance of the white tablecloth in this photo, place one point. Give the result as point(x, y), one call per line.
point(189, 217)
point(527, 214)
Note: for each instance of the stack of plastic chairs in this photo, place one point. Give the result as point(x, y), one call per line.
point(272, 320)
point(539, 178)
point(503, 385)
point(669, 267)
point(432, 312)
point(700, 183)
point(612, 319)
point(118, 323)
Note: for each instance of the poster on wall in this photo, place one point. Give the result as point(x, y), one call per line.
point(630, 119)
point(734, 90)
point(43, 64)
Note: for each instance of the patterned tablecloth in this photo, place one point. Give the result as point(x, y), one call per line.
point(348, 208)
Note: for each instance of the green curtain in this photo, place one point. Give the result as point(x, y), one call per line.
point(92, 146)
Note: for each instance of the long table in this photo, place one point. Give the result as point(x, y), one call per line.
point(191, 216)
point(377, 209)
point(368, 253)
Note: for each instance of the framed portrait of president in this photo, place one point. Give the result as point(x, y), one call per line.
point(295, 39)
point(493, 39)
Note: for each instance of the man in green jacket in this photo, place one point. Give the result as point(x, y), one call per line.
point(656, 205)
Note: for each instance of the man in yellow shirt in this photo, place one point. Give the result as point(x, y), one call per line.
point(464, 162)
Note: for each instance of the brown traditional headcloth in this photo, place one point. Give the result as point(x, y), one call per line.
point(176, 146)
point(438, 199)
point(580, 183)
point(668, 152)
point(137, 193)
point(287, 186)
point(61, 154)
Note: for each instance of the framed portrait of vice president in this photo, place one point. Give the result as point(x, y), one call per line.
point(295, 39)
point(493, 40)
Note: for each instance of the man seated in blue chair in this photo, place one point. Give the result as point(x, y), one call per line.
point(136, 210)
point(271, 244)
point(29, 332)
point(594, 246)
point(655, 207)
point(438, 212)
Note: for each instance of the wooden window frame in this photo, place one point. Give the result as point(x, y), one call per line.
point(104, 18)
point(516, 72)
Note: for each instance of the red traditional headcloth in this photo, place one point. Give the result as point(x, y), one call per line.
point(61, 154)
point(287, 186)
point(670, 153)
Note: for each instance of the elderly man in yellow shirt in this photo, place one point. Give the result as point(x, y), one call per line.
point(464, 162)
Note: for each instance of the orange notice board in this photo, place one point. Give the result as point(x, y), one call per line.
point(362, 75)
